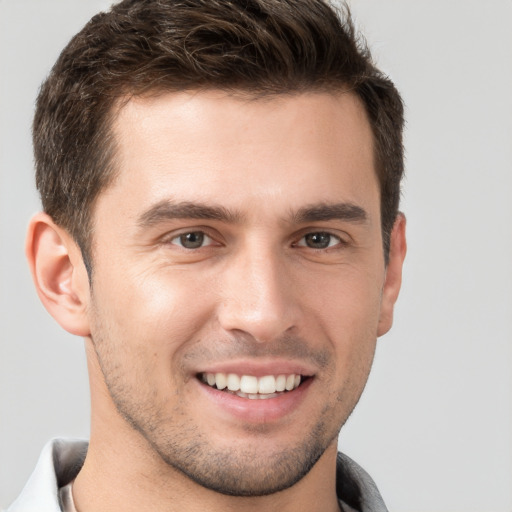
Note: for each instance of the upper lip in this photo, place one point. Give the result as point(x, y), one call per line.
point(259, 368)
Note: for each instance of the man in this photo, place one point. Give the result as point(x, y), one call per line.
point(220, 183)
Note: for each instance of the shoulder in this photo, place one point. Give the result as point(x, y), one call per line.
point(355, 487)
point(59, 463)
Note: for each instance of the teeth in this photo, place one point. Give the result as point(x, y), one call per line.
point(233, 382)
point(249, 386)
point(221, 380)
point(253, 396)
point(290, 382)
point(267, 384)
point(281, 383)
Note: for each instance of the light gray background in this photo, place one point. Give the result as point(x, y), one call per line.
point(434, 426)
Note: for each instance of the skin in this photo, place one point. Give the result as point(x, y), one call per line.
point(254, 298)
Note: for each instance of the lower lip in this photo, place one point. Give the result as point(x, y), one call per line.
point(257, 410)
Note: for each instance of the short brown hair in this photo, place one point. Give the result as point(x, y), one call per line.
point(260, 47)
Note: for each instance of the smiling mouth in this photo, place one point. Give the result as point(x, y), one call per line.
point(251, 387)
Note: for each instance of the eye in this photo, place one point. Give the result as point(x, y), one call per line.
point(192, 240)
point(319, 240)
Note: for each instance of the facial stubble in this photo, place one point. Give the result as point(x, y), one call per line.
point(245, 470)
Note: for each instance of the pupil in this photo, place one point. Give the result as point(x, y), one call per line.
point(318, 240)
point(192, 240)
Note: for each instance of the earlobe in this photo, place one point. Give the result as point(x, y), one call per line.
point(393, 280)
point(59, 274)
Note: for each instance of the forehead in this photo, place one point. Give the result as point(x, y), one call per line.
point(235, 150)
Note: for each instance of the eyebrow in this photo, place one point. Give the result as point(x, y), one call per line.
point(338, 211)
point(167, 210)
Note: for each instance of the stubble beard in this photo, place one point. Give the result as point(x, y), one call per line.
point(241, 472)
point(244, 470)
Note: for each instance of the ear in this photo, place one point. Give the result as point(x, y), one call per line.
point(393, 279)
point(59, 273)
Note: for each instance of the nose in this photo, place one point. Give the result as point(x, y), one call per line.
point(258, 297)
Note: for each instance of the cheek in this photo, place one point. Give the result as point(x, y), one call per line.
point(148, 319)
point(346, 300)
point(345, 312)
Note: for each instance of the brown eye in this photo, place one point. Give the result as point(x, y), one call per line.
point(192, 240)
point(319, 240)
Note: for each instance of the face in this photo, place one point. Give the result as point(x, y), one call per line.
point(238, 278)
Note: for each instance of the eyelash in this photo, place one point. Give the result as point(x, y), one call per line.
point(179, 240)
point(202, 235)
point(332, 237)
